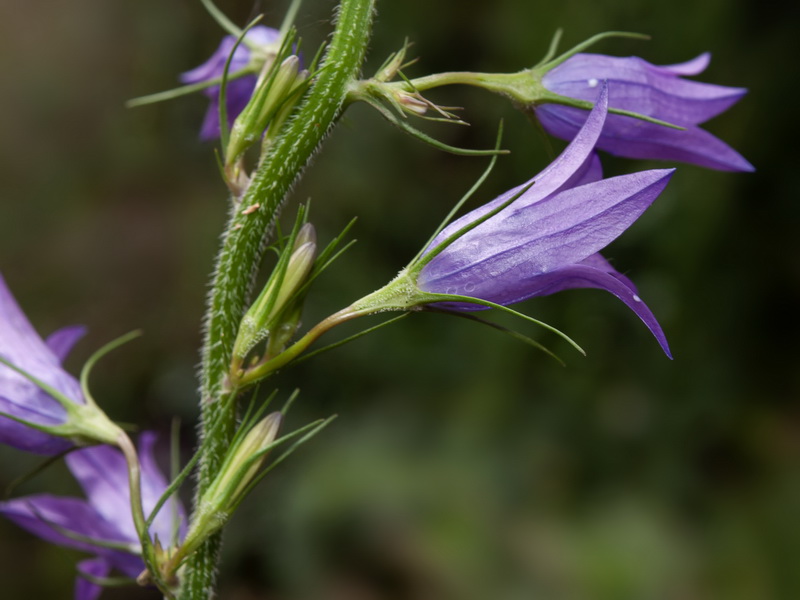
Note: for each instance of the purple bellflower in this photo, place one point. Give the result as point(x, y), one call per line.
point(238, 91)
point(101, 524)
point(21, 346)
point(655, 91)
point(547, 240)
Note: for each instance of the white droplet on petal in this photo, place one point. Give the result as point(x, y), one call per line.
point(592, 82)
point(636, 298)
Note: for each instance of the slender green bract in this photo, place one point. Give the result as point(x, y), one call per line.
point(244, 242)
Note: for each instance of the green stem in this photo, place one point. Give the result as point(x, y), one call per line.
point(243, 247)
point(259, 372)
point(501, 83)
point(525, 88)
point(151, 574)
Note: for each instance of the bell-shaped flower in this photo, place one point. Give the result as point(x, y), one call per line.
point(238, 90)
point(102, 523)
point(659, 92)
point(539, 238)
point(547, 239)
point(21, 346)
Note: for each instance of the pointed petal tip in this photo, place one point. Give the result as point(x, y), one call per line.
point(744, 166)
point(694, 66)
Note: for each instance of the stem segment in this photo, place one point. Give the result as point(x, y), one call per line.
point(243, 246)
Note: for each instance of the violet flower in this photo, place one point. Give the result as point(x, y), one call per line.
point(656, 91)
point(104, 518)
point(547, 240)
point(21, 346)
point(238, 91)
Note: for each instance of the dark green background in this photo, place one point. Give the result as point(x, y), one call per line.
point(463, 465)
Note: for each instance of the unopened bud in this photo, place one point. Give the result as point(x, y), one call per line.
point(273, 90)
point(236, 476)
point(245, 460)
point(266, 314)
point(412, 102)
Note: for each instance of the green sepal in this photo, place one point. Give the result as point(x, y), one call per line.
point(185, 90)
point(107, 582)
point(404, 126)
point(236, 479)
point(110, 346)
point(121, 546)
point(41, 467)
point(265, 313)
point(221, 19)
point(224, 131)
point(178, 480)
point(349, 339)
point(424, 298)
point(510, 332)
point(551, 98)
point(548, 63)
point(310, 431)
point(475, 186)
point(416, 266)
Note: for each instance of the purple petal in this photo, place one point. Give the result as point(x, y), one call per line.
point(95, 567)
point(61, 341)
point(576, 163)
point(103, 474)
point(214, 67)
point(237, 96)
point(633, 138)
point(262, 35)
point(638, 86)
point(22, 346)
point(598, 261)
point(40, 513)
point(589, 172)
point(586, 275)
point(694, 66)
point(500, 259)
point(153, 486)
point(24, 438)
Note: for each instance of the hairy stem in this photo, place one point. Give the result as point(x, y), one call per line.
point(243, 246)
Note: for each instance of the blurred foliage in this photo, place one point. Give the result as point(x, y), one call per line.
point(463, 465)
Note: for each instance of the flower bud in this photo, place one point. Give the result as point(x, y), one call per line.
point(273, 92)
point(411, 102)
point(237, 474)
point(275, 303)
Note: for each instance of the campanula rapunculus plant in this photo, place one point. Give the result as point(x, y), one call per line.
point(544, 241)
point(659, 92)
point(239, 90)
point(20, 397)
point(272, 116)
point(101, 524)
